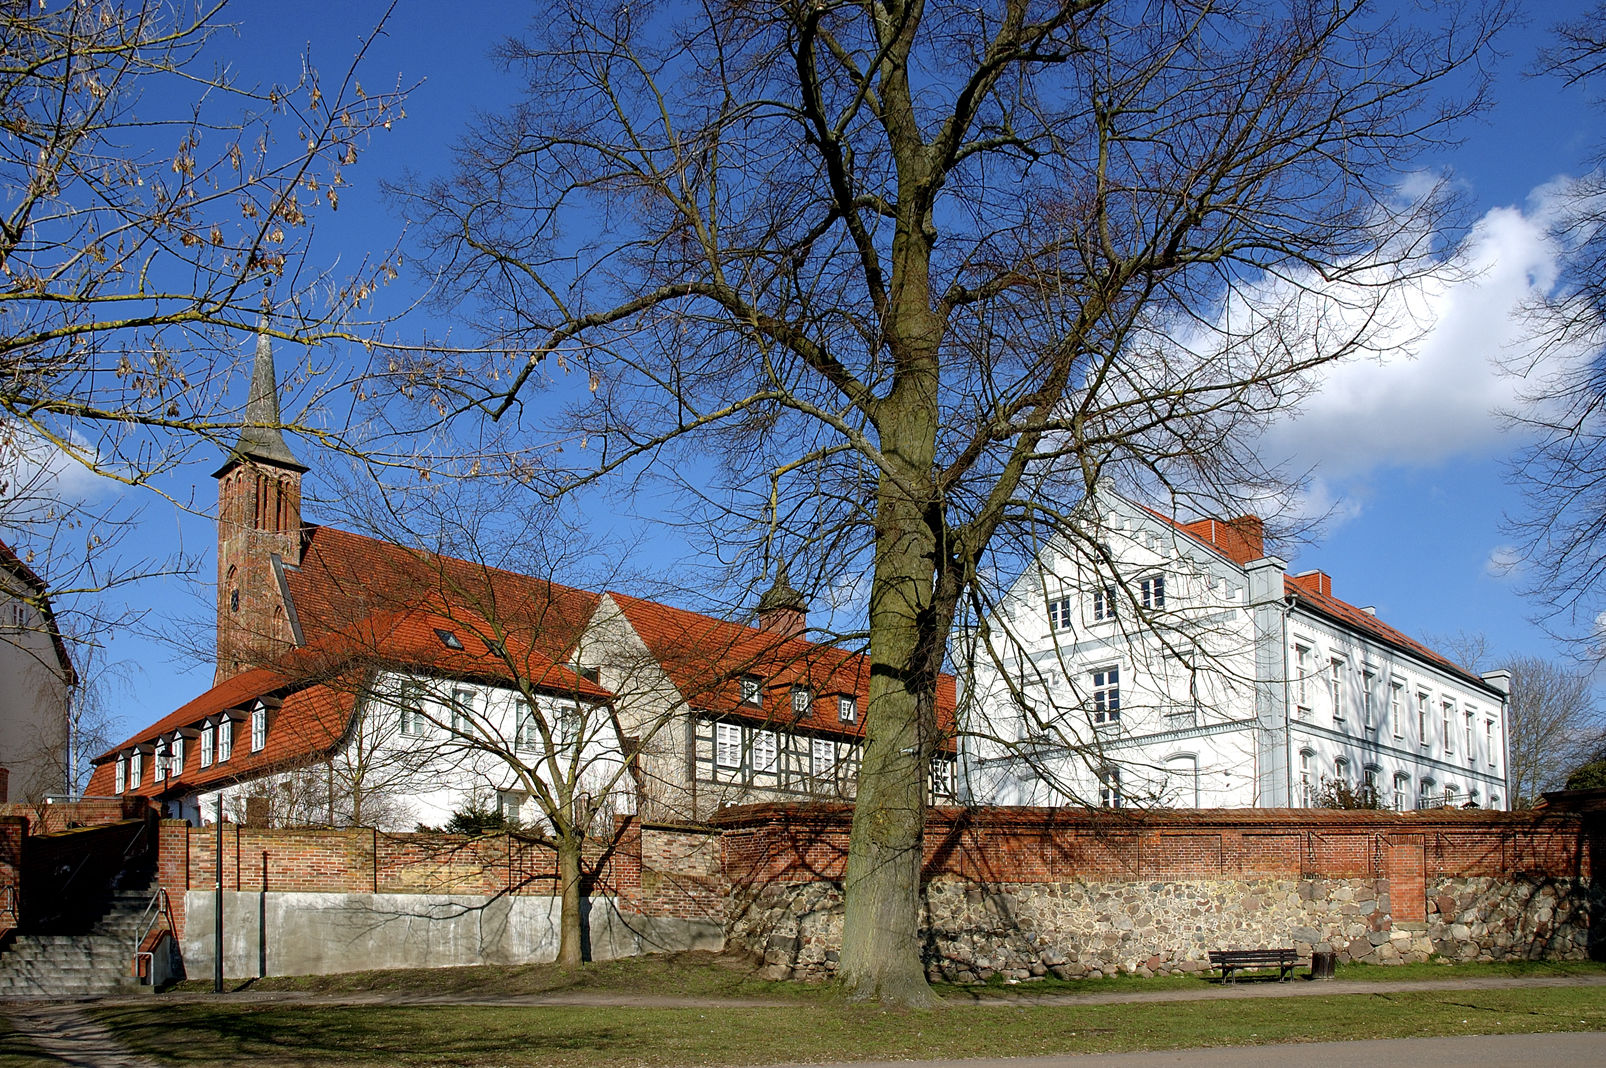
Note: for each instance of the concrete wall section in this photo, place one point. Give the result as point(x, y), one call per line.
point(319, 933)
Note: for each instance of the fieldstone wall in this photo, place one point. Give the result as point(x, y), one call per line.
point(1003, 896)
point(1091, 929)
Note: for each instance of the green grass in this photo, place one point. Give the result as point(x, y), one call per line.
point(198, 1034)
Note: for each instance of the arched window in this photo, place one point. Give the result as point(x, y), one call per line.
point(1402, 792)
point(1182, 779)
point(1307, 786)
point(1341, 771)
point(1424, 794)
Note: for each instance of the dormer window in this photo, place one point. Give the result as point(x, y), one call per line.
point(751, 694)
point(122, 774)
point(259, 729)
point(159, 762)
point(176, 760)
point(225, 739)
point(847, 708)
point(590, 674)
point(208, 743)
point(136, 769)
point(449, 639)
point(802, 700)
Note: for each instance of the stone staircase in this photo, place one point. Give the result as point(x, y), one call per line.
point(90, 963)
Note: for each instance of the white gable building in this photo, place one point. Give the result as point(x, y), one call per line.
point(1175, 664)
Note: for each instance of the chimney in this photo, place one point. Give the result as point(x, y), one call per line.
point(1240, 540)
point(782, 610)
point(1315, 581)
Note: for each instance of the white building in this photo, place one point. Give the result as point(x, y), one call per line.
point(1172, 663)
point(35, 700)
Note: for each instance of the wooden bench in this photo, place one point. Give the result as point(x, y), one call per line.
point(1230, 960)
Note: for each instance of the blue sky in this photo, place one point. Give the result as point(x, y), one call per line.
point(1407, 456)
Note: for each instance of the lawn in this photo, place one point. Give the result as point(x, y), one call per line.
point(811, 1030)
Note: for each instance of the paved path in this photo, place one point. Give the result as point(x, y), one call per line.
point(1579, 1049)
point(69, 1038)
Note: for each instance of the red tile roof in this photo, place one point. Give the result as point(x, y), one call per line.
point(1241, 541)
point(319, 686)
point(706, 658)
point(346, 577)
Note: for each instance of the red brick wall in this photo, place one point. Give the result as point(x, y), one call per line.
point(62, 816)
point(13, 829)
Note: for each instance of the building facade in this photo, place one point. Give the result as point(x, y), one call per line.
point(360, 681)
point(36, 736)
point(1176, 664)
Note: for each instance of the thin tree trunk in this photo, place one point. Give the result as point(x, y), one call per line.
point(570, 946)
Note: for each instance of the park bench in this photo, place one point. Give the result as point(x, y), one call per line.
point(1230, 960)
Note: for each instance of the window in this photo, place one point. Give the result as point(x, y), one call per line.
point(1447, 715)
point(16, 617)
point(225, 739)
point(1110, 787)
point(159, 762)
point(1402, 792)
point(751, 694)
point(1307, 788)
point(822, 758)
point(765, 751)
point(1341, 771)
point(802, 700)
point(1471, 756)
point(510, 805)
point(571, 726)
point(1107, 695)
point(122, 774)
point(1335, 688)
point(1450, 794)
point(1151, 591)
point(1182, 777)
point(847, 708)
point(727, 745)
point(1368, 685)
point(413, 723)
point(176, 759)
point(1103, 604)
point(463, 712)
point(526, 732)
point(1302, 678)
point(1422, 719)
point(1059, 614)
point(259, 729)
point(1397, 709)
point(1488, 745)
point(449, 639)
point(1424, 794)
point(942, 777)
point(136, 769)
point(208, 744)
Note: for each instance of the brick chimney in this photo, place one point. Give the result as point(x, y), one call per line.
point(1314, 581)
point(1240, 540)
point(258, 530)
point(782, 610)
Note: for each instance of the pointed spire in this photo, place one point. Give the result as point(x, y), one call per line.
point(782, 609)
point(260, 438)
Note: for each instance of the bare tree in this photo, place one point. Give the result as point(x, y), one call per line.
point(1563, 472)
point(1551, 721)
point(889, 285)
point(155, 208)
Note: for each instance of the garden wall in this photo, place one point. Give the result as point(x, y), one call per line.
point(1024, 892)
point(1013, 892)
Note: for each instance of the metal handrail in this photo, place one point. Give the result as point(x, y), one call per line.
point(164, 911)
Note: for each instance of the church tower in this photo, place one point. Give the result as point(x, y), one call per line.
point(258, 530)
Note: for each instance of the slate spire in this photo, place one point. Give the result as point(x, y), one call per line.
point(260, 438)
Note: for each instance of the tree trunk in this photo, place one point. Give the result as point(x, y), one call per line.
point(880, 955)
point(570, 936)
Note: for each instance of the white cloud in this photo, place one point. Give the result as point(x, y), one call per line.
point(36, 477)
point(1503, 560)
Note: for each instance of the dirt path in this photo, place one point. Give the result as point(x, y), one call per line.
point(69, 1038)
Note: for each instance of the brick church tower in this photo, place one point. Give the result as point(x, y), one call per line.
point(258, 531)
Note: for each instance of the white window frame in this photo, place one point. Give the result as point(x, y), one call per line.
point(159, 760)
point(259, 729)
point(1447, 716)
point(766, 753)
point(727, 745)
point(1341, 770)
point(136, 769)
point(1102, 609)
point(1368, 700)
point(1397, 707)
point(847, 708)
point(1472, 748)
point(941, 777)
point(462, 711)
point(1105, 701)
point(1110, 786)
point(1402, 791)
point(1335, 686)
point(208, 743)
point(1451, 794)
point(122, 774)
point(1425, 737)
point(802, 700)
point(571, 725)
point(752, 690)
point(1060, 611)
point(1302, 679)
point(1425, 791)
point(526, 733)
point(1307, 788)
point(1488, 737)
point(225, 739)
point(822, 759)
point(175, 757)
point(1151, 592)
